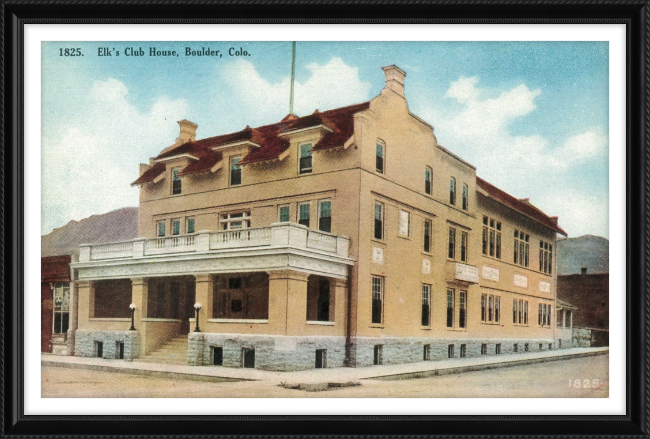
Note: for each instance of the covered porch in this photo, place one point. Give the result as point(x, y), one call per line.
point(292, 284)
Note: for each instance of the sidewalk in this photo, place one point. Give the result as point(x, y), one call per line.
point(316, 377)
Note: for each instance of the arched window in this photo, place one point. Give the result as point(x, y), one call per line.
point(428, 177)
point(452, 191)
point(380, 155)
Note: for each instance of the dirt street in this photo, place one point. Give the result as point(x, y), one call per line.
point(577, 378)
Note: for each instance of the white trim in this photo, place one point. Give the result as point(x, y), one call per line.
point(174, 157)
point(316, 322)
point(233, 144)
point(109, 319)
point(247, 321)
point(159, 178)
point(152, 319)
point(217, 166)
point(321, 126)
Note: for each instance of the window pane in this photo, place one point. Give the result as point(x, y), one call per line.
point(427, 235)
point(176, 226)
point(284, 214)
point(452, 244)
point(305, 150)
point(379, 223)
point(304, 215)
point(450, 308)
point(190, 225)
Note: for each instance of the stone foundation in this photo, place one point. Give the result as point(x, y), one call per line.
point(284, 353)
point(86, 343)
point(396, 350)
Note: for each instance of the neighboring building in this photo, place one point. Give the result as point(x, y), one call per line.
point(58, 248)
point(583, 280)
point(348, 237)
point(55, 304)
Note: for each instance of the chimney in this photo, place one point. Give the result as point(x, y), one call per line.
point(583, 270)
point(395, 79)
point(554, 219)
point(188, 131)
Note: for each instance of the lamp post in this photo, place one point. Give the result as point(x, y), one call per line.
point(132, 306)
point(197, 307)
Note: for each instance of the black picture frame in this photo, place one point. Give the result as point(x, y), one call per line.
point(634, 14)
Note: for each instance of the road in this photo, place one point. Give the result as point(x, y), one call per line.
point(585, 377)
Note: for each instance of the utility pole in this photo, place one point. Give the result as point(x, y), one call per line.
point(293, 74)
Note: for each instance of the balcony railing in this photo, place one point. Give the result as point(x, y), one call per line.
point(278, 235)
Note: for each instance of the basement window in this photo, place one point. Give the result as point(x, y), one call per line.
point(463, 351)
point(217, 356)
point(321, 358)
point(497, 349)
point(450, 351)
point(378, 355)
point(427, 352)
point(484, 349)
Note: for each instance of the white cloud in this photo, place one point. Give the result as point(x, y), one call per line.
point(330, 85)
point(463, 90)
point(524, 165)
point(89, 163)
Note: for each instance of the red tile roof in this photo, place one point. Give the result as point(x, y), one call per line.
point(272, 145)
point(518, 205)
point(150, 174)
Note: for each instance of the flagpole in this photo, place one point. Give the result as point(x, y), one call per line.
point(293, 74)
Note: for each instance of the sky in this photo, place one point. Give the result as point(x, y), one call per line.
point(531, 116)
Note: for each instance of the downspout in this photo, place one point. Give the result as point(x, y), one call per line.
point(348, 332)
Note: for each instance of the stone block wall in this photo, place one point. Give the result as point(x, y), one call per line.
point(285, 353)
point(86, 343)
point(396, 350)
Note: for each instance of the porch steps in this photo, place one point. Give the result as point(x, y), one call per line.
point(172, 352)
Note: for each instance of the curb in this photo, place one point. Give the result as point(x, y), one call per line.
point(479, 367)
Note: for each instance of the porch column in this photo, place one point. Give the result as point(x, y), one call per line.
point(86, 308)
point(204, 296)
point(340, 302)
point(571, 320)
point(140, 297)
point(563, 318)
point(287, 301)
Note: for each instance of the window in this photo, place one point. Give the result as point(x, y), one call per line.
point(235, 171)
point(451, 254)
point(217, 356)
point(483, 348)
point(545, 257)
point(176, 181)
point(404, 220)
point(321, 359)
point(305, 158)
point(119, 350)
point(189, 224)
point(427, 236)
point(452, 191)
point(490, 308)
point(379, 220)
point(450, 351)
point(61, 307)
point(248, 358)
point(497, 349)
point(426, 352)
point(426, 305)
point(379, 162)
point(526, 347)
point(451, 306)
point(491, 237)
point(515, 347)
point(464, 237)
point(325, 216)
point(428, 176)
point(462, 312)
point(520, 312)
point(463, 351)
point(303, 214)
point(283, 213)
point(465, 197)
point(377, 357)
point(176, 226)
point(160, 228)
point(377, 299)
point(521, 248)
point(544, 315)
point(236, 221)
point(99, 349)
